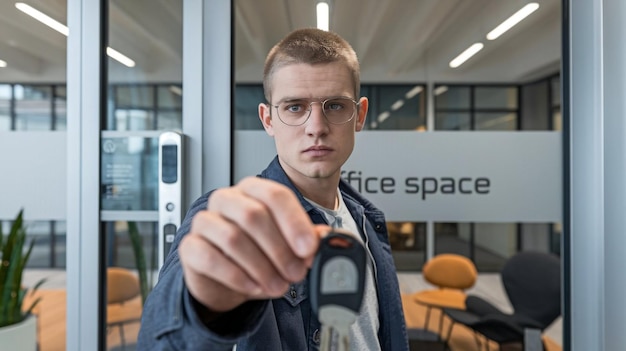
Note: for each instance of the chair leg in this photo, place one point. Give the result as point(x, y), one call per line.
point(450, 330)
point(478, 343)
point(447, 337)
point(122, 337)
point(427, 318)
point(440, 331)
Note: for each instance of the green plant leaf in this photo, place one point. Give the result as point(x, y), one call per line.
point(12, 264)
point(38, 285)
point(1, 236)
point(32, 306)
point(7, 252)
point(140, 260)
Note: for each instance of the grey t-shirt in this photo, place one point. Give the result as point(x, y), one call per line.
point(364, 331)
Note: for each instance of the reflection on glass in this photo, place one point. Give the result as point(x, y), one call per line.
point(33, 107)
point(6, 92)
point(451, 97)
point(131, 248)
point(535, 106)
point(489, 245)
point(453, 238)
point(396, 107)
point(408, 244)
point(557, 120)
point(452, 121)
point(493, 244)
point(60, 237)
point(555, 91)
point(170, 96)
point(134, 96)
point(60, 108)
point(496, 121)
point(121, 236)
point(495, 97)
point(169, 120)
point(145, 107)
point(131, 119)
point(247, 99)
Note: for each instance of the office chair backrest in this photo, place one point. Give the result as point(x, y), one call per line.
point(450, 271)
point(122, 285)
point(533, 284)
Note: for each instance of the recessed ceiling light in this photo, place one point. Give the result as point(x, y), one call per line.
point(3, 64)
point(466, 55)
point(513, 20)
point(322, 15)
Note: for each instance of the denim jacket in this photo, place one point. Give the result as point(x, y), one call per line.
point(170, 322)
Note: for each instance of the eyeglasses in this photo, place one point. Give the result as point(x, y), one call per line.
point(337, 110)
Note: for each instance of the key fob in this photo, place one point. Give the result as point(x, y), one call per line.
point(337, 276)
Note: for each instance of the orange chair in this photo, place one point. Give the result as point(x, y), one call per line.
point(122, 288)
point(451, 274)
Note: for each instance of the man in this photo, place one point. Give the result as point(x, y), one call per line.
point(237, 273)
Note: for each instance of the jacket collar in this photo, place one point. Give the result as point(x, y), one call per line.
point(276, 172)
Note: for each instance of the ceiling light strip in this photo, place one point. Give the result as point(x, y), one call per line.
point(413, 92)
point(323, 15)
point(383, 116)
point(513, 20)
point(397, 105)
point(176, 90)
point(441, 89)
point(119, 57)
point(466, 55)
point(43, 18)
point(61, 28)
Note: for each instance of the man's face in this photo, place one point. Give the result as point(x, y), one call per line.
point(315, 149)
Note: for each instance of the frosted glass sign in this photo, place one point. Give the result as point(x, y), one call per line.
point(129, 173)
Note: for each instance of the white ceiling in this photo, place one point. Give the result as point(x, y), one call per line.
point(396, 40)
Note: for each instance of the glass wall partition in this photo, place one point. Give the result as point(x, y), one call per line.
point(395, 106)
point(6, 99)
point(32, 151)
point(522, 107)
point(463, 107)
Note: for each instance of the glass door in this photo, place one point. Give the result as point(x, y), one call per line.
point(144, 101)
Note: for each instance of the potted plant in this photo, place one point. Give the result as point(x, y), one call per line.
point(18, 327)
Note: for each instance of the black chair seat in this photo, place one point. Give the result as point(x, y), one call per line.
point(425, 340)
point(460, 316)
point(532, 283)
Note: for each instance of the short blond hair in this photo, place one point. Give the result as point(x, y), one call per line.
point(311, 46)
